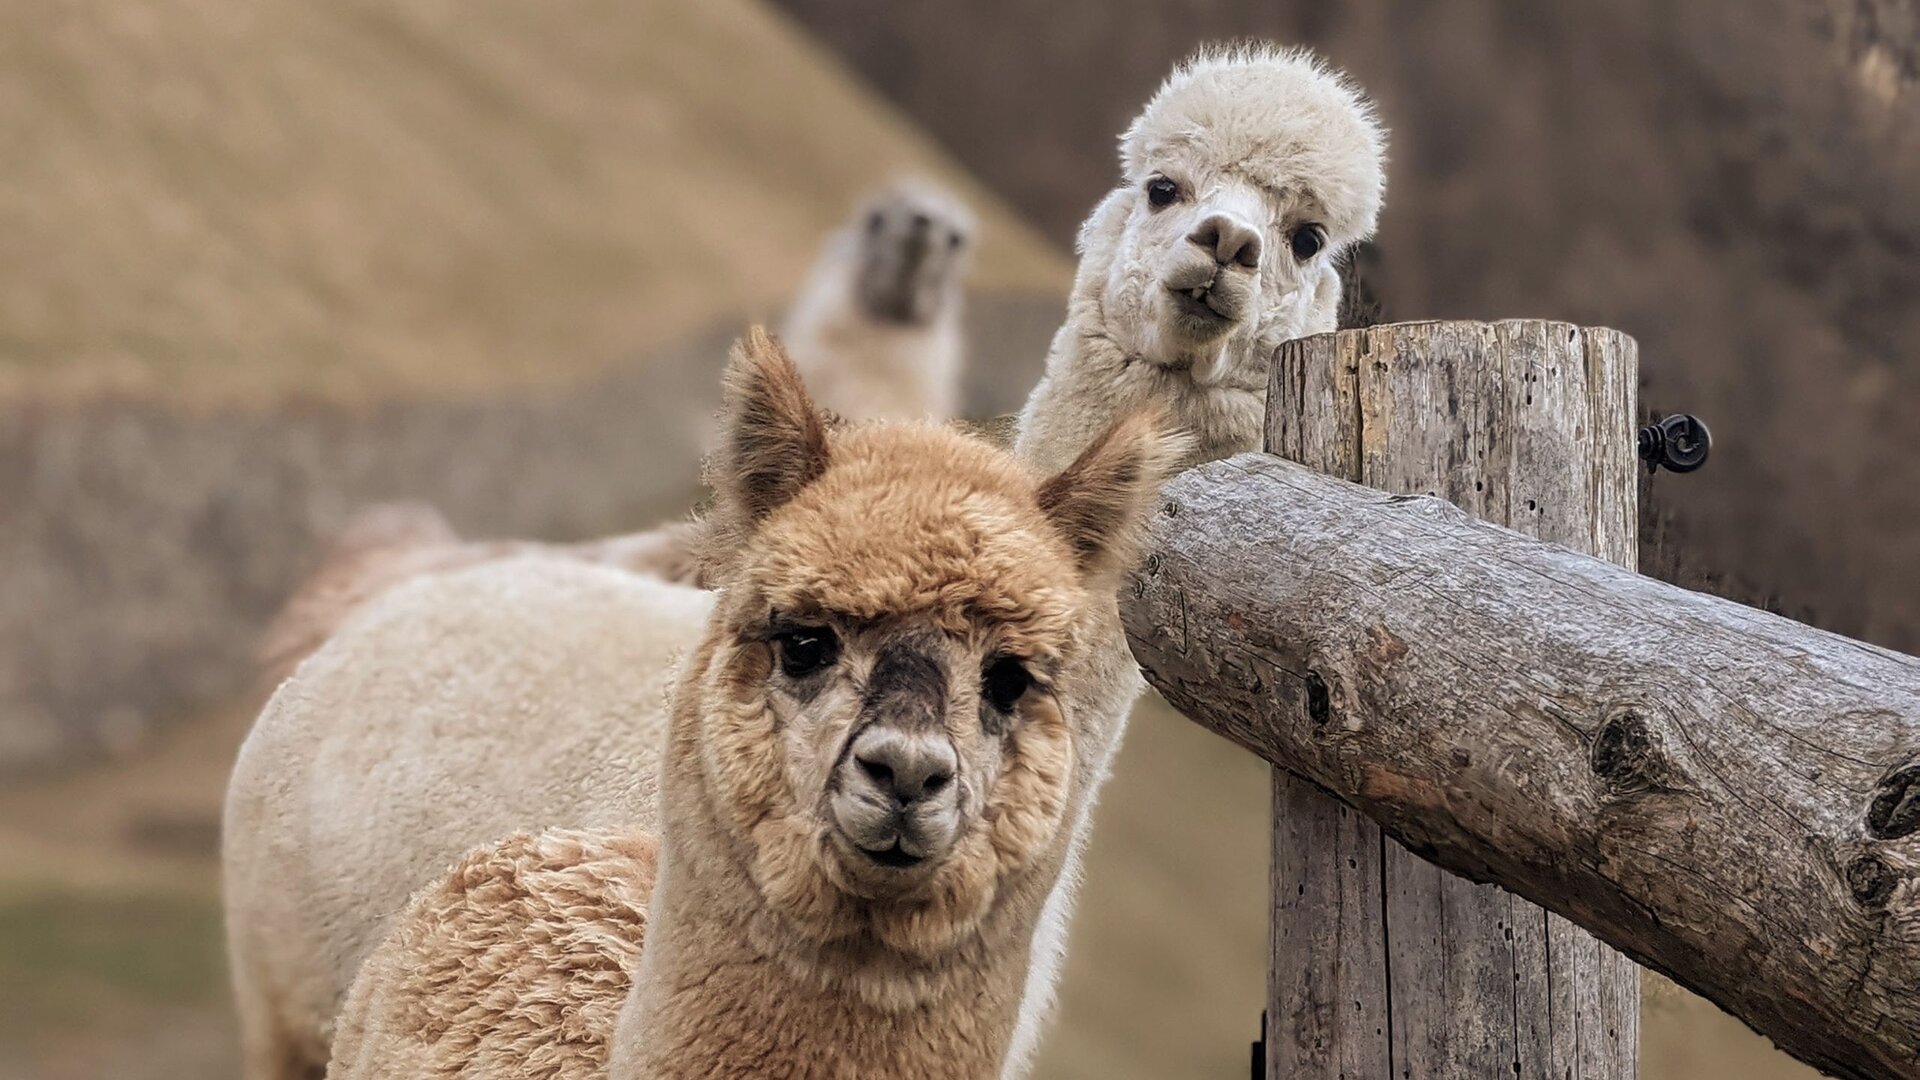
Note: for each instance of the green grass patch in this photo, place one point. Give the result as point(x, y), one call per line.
point(66, 957)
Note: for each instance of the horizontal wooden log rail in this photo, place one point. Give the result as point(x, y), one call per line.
point(1727, 796)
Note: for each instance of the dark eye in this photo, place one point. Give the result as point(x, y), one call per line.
point(874, 222)
point(1161, 191)
point(1307, 241)
point(1004, 682)
point(807, 650)
point(954, 240)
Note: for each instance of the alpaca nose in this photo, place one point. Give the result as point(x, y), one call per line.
point(906, 766)
point(1230, 240)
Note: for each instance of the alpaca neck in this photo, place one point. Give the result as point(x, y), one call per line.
point(1095, 376)
point(723, 991)
point(869, 369)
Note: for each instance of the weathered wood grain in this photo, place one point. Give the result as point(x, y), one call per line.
point(1728, 796)
point(1523, 423)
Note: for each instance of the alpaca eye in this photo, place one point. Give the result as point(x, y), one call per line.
point(807, 650)
point(1006, 680)
point(874, 223)
point(1307, 241)
point(954, 240)
point(1161, 191)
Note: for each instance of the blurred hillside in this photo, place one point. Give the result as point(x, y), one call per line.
point(204, 198)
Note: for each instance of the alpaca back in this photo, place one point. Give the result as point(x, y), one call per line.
point(515, 964)
point(379, 547)
point(387, 544)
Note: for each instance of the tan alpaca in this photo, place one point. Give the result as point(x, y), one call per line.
point(871, 757)
point(1243, 179)
point(876, 332)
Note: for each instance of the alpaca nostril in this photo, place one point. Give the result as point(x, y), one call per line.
point(905, 766)
point(879, 772)
point(1229, 240)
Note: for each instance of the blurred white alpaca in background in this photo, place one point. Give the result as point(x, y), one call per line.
point(876, 332)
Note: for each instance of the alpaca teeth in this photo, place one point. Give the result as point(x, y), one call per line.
point(1198, 293)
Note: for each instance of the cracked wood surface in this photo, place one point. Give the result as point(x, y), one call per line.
point(1383, 964)
point(1730, 797)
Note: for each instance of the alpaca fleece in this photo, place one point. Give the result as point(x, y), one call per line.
point(388, 543)
point(457, 708)
point(514, 964)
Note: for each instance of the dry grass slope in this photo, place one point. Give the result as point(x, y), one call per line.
point(210, 199)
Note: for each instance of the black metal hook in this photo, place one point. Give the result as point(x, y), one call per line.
point(1679, 442)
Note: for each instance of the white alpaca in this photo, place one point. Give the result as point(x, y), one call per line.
point(456, 708)
point(1242, 180)
point(876, 332)
point(388, 543)
point(869, 769)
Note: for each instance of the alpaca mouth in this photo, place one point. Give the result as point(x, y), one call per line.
point(896, 857)
point(1203, 303)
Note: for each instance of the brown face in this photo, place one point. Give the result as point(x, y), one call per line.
point(877, 707)
point(906, 743)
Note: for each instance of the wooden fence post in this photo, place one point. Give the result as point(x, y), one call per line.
point(1383, 965)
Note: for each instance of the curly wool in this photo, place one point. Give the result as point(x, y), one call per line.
point(514, 964)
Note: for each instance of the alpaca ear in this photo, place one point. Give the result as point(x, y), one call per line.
point(1101, 501)
point(773, 438)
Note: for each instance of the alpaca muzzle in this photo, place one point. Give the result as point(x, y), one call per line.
point(895, 797)
point(901, 283)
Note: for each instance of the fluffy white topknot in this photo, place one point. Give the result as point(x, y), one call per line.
point(1286, 119)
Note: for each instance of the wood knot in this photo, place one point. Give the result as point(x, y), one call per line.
point(1319, 702)
point(1871, 881)
point(1170, 508)
point(1895, 810)
point(1383, 645)
point(1623, 752)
